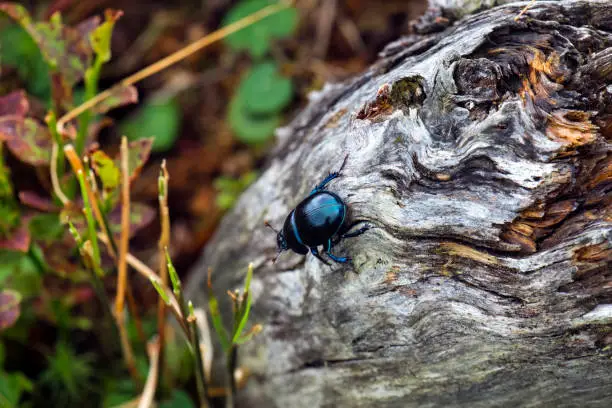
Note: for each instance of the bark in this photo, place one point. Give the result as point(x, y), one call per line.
point(480, 150)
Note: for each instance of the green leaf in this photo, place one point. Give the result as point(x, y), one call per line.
point(178, 399)
point(118, 391)
point(66, 49)
point(263, 91)
point(46, 227)
point(157, 119)
point(213, 306)
point(24, 55)
point(247, 308)
point(9, 219)
point(160, 291)
point(248, 128)
point(10, 263)
point(12, 386)
point(174, 278)
point(101, 37)
point(256, 38)
point(9, 308)
point(20, 272)
point(106, 169)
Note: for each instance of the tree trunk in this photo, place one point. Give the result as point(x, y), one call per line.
point(481, 151)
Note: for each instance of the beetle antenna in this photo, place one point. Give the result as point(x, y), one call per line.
point(267, 224)
point(277, 256)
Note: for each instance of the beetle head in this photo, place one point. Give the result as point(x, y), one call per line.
point(281, 241)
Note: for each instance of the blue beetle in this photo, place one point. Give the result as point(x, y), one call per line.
point(320, 219)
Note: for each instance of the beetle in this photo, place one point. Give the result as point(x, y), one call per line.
point(318, 220)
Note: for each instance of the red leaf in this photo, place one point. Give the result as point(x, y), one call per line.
point(26, 138)
point(119, 97)
point(19, 240)
point(14, 103)
point(9, 308)
point(33, 200)
point(139, 152)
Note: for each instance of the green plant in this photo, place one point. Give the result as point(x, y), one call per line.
point(230, 188)
point(69, 377)
point(255, 108)
point(157, 118)
point(89, 217)
point(24, 56)
point(257, 38)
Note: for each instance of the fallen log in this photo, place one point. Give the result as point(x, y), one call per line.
point(480, 149)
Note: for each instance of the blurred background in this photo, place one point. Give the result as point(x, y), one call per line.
point(213, 117)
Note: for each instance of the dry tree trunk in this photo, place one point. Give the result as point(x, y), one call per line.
point(482, 153)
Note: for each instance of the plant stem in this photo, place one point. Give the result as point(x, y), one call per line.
point(60, 162)
point(128, 354)
point(231, 367)
point(92, 75)
point(200, 375)
point(125, 228)
point(163, 244)
point(91, 225)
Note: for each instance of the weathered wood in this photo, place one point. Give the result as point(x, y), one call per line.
point(482, 153)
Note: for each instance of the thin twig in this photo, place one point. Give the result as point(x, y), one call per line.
point(171, 60)
point(206, 345)
point(122, 264)
point(57, 189)
point(149, 390)
point(57, 158)
point(195, 341)
point(163, 244)
point(125, 227)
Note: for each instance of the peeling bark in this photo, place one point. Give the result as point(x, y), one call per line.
point(481, 151)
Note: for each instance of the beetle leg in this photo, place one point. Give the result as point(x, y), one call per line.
point(330, 177)
point(344, 233)
point(326, 180)
point(358, 232)
point(315, 252)
point(339, 259)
